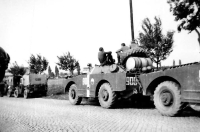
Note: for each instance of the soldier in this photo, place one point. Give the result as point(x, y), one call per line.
point(4, 60)
point(105, 58)
point(134, 45)
point(121, 50)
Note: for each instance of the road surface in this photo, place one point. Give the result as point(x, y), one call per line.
point(50, 115)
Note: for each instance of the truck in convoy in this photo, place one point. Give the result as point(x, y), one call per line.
point(171, 89)
point(13, 82)
point(28, 85)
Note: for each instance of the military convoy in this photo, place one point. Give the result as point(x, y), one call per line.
point(171, 89)
point(26, 85)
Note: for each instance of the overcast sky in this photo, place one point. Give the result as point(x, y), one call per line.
point(54, 27)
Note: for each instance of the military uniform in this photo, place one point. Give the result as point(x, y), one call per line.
point(122, 49)
point(105, 58)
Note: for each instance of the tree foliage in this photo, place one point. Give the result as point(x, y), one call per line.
point(67, 62)
point(49, 71)
point(56, 71)
point(78, 69)
point(52, 75)
point(187, 12)
point(37, 64)
point(158, 46)
point(15, 69)
point(174, 63)
point(180, 63)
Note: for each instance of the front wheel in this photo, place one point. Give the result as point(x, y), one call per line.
point(9, 93)
point(167, 98)
point(107, 97)
point(26, 94)
point(16, 93)
point(73, 96)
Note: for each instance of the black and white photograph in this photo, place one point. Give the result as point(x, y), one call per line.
point(99, 65)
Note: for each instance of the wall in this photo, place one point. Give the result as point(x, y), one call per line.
point(55, 86)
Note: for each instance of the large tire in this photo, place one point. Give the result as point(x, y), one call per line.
point(26, 94)
point(16, 93)
point(73, 96)
point(167, 98)
point(107, 97)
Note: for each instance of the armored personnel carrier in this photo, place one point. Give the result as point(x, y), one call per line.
point(171, 89)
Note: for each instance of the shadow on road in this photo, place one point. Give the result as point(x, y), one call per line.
point(189, 112)
point(123, 103)
point(140, 104)
point(135, 103)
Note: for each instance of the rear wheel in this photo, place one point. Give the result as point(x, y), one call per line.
point(167, 98)
point(16, 93)
point(26, 94)
point(107, 97)
point(73, 96)
point(9, 93)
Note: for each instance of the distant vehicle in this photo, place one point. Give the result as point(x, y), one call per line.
point(13, 82)
point(3, 87)
point(171, 89)
point(28, 85)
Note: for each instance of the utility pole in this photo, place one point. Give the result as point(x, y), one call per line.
point(131, 17)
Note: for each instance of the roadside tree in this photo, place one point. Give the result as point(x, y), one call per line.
point(157, 45)
point(187, 12)
point(16, 70)
point(67, 62)
point(49, 71)
point(37, 64)
point(56, 71)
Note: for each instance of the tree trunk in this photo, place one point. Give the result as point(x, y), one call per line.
point(71, 71)
point(198, 33)
point(157, 62)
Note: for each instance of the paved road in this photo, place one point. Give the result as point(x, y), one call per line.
point(45, 115)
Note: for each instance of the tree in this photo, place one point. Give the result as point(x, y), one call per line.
point(49, 71)
point(52, 75)
point(188, 13)
point(174, 63)
point(67, 62)
point(16, 70)
point(78, 69)
point(56, 71)
point(157, 45)
point(180, 62)
point(37, 64)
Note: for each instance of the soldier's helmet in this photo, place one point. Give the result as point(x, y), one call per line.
point(101, 49)
point(4, 60)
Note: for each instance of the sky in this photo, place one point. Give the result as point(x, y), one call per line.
point(51, 28)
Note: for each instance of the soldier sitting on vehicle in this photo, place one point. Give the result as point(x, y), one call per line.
point(105, 58)
point(121, 50)
point(134, 45)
